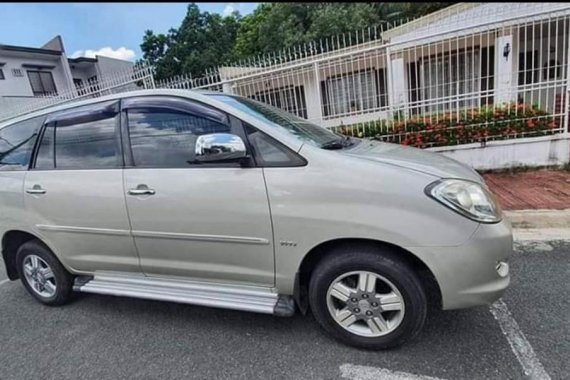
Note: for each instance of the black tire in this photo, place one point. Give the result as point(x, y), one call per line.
point(63, 279)
point(379, 260)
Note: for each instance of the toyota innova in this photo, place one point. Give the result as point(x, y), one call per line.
point(217, 200)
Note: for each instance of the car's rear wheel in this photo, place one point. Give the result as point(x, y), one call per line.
point(366, 297)
point(43, 275)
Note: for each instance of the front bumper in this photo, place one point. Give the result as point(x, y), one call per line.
point(475, 273)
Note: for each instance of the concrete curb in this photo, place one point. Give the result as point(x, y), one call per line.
point(539, 219)
point(541, 234)
point(540, 225)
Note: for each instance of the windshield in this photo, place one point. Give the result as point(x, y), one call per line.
point(272, 116)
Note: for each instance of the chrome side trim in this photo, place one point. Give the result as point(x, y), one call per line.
point(260, 300)
point(201, 237)
point(157, 235)
point(83, 230)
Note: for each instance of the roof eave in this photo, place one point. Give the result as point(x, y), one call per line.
point(24, 49)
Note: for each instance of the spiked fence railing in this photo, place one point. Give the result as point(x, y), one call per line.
point(468, 73)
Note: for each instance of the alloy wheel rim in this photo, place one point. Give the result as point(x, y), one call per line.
point(365, 304)
point(39, 276)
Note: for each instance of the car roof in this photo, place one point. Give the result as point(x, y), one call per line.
point(193, 94)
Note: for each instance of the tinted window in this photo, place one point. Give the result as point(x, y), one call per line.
point(44, 159)
point(166, 138)
point(269, 152)
point(91, 145)
point(17, 142)
point(84, 138)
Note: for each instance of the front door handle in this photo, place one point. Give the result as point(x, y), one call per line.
point(37, 189)
point(142, 190)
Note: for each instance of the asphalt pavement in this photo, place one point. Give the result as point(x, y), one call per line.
point(104, 337)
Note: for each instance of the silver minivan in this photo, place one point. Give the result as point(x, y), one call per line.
point(217, 200)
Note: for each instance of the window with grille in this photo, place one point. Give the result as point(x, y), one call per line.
point(529, 68)
point(290, 99)
point(353, 92)
point(93, 84)
point(446, 77)
point(42, 83)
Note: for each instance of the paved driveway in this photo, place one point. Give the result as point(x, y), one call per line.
point(535, 189)
point(100, 337)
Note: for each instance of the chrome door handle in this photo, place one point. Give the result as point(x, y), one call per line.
point(37, 189)
point(142, 191)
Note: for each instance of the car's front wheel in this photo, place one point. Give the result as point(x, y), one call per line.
point(366, 297)
point(43, 275)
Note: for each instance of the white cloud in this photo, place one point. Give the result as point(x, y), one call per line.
point(120, 53)
point(228, 10)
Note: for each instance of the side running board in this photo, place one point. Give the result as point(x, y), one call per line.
point(243, 298)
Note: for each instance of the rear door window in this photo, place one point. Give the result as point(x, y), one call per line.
point(83, 138)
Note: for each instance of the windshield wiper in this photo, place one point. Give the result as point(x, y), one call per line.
point(343, 142)
point(334, 144)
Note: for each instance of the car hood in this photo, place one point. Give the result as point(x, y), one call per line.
point(435, 164)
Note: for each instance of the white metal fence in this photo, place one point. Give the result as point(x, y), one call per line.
point(486, 72)
point(470, 73)
point(138, 77)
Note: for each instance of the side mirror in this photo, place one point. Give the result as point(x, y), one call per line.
point(219, 147)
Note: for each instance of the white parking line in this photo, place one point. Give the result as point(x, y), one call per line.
point(519, 344)
point(359, 372)
point(4, 282)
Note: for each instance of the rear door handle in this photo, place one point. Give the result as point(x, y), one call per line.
point(142, 190)
point(37, 189)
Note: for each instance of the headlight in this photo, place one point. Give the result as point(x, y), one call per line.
point(470, 199)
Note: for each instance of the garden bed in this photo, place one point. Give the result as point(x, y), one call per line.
point(509, 121)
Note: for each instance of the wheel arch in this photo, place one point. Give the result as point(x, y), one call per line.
point(324, 249)
point(11, 241)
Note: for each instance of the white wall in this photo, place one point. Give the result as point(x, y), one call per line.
point(107, 67)
point(313, 97)
point(504, 69)
point(532, 152)
point(83, 73)
point(20, 86)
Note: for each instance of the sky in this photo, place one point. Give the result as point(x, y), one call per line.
point(111, 29)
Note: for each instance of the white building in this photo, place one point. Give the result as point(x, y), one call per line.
point(27, 72)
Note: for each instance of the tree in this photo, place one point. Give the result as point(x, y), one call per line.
point(203, 40)
point(154, 49)
point(206, 40)
point(277, 26)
